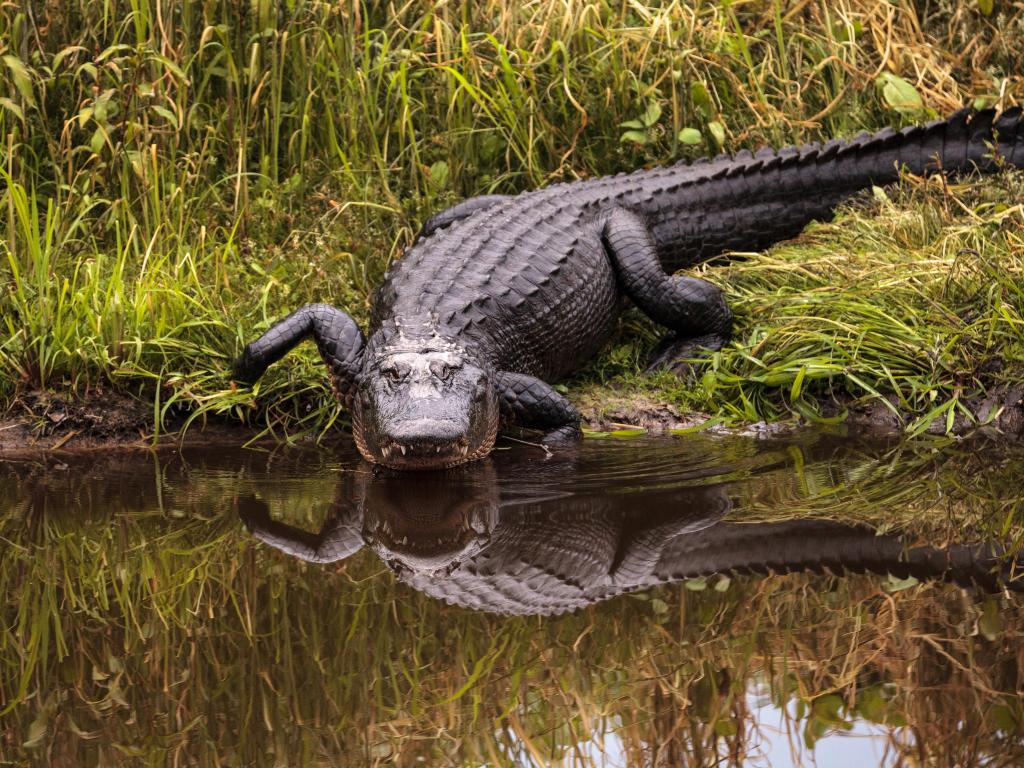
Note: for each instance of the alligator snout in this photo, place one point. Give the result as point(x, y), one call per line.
point(430, 439)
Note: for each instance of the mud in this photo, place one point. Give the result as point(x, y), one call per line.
point(109, 419)
point(101, 419)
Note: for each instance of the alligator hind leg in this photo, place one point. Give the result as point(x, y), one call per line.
point(336, 335)
point(534, 404)
point(693, 310)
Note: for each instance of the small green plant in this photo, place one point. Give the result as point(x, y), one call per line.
point(642, 130)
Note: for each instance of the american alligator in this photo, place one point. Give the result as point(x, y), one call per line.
point(503, 295)
point(479, 538)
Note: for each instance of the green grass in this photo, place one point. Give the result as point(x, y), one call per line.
point(176, 176)
point(912, 297)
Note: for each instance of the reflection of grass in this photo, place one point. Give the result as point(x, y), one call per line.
point(174, 181)
point(161, 632)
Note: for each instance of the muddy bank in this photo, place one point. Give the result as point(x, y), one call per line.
point(105, 419)
point(108, 419)
point(998, 416)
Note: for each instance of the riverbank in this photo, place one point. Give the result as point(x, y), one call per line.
point(903, 316)
point(214, 173)
point(51, 423)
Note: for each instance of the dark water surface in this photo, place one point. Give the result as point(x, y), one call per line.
point(698, 601)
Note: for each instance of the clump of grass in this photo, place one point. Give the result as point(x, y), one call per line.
point(178, 176)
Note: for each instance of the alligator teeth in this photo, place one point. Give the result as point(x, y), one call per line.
point(402, 448)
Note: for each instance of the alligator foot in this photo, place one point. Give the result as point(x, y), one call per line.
point(562, 437)
point(337, 337)
point(684, 357)
point(692, 309)
point(529, 402)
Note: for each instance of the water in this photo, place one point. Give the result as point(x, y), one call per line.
point(635, 602)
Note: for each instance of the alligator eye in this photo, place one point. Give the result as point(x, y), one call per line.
point(441, 370)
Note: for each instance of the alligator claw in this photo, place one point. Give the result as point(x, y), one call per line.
point(684, 357)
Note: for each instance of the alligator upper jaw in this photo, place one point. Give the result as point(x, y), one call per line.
point(424, 454)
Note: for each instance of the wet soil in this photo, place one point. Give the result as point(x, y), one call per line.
point(998, 416)
point(106, 418)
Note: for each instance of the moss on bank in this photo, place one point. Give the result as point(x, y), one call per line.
point(177, 176)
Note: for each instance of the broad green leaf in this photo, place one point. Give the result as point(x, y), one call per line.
point(652, 114)
point(21, 77)
point(893, 584)
point(97, 141)
point(696, 585)
point(640, 137)
point(439, 175)
point(690, 136)
point(900, 95)
point(167, 115)
point(702, 99)
point(13, 108)
point(717, 131)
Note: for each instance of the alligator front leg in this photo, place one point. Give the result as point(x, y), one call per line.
point(532, 403)
point(336, 335)
point(341, 536)
point(693, 310)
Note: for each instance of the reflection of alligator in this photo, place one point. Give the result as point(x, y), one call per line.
point(504, 294)
point(463, 537)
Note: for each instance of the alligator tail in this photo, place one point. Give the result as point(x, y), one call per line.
point(823, 546)
point(755, 199)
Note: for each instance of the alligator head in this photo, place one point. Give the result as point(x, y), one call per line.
point(431, 523)
point(423, 402)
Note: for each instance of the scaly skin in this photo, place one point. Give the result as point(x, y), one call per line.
point(503, 296)
point(456, 537)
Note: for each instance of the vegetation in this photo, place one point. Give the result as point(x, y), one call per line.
point(177, 175)
point(143, 626)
